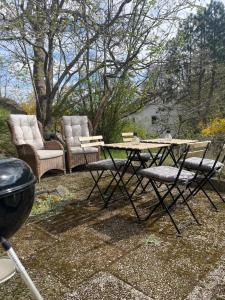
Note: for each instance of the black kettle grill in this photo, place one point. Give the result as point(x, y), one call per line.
point(17, 187)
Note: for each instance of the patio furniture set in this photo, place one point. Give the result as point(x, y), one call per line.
point(41, 155)
point(146, 163)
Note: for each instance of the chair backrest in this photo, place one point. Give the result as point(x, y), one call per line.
point(220, 158)
point(25, 130)
point(91, 141)
point(223, 151)
point(198, 148)
point(74, 127)
point(193, 149)
point(127, 136)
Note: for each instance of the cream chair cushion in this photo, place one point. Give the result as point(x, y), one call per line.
point(74, 127)
point(46, 154)
point(26, 130)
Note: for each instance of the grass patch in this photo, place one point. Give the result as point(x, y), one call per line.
point(121, 154)
point(152, 240)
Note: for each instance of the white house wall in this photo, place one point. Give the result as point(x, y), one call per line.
point(167, 118)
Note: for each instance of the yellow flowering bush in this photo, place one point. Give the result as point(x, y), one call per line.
point(216, 126)
point(29, 105)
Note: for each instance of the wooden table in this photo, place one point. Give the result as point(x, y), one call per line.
point(136, 146)
point(135, 149)
point(175, 144)
point(170, 141)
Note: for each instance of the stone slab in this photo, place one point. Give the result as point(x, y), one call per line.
point(105, 286)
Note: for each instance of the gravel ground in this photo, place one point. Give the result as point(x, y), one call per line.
point(74, 249)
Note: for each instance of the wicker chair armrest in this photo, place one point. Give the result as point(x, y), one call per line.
point(27, 150)
point(53, 145)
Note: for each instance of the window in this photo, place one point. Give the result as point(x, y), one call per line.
point(154, 120)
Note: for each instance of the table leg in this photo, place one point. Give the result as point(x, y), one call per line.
point(120, 180)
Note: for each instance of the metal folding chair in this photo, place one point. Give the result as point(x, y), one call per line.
point(143, 157)
point(100, 166)
point(175, 179)
point(209, 168)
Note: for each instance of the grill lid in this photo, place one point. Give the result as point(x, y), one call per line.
point(15, 175)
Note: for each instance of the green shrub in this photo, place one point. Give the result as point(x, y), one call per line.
point(130, 126)
point(6, 146)
point(125, 125)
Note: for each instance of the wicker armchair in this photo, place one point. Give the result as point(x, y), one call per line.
point(40, 155)
point(74, 127)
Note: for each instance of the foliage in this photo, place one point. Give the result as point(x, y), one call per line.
point(130, 126)
point(203, 62)
point(152, 240)
point(113, 120)
point(192, 76)
point(6, 147)
point(122, 100)
point(29, 105)
point(45, 203)
point(216, 126)
point(215, 130)
point(124, 125)
point(84, 48)
point(3, 116)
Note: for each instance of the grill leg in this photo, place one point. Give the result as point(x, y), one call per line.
point(20, 268)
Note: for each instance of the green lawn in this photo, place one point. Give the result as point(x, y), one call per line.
point(115, 153)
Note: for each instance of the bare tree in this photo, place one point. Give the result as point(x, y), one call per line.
point(84, 47)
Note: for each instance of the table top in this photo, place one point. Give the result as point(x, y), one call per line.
point(170, 142)
point(138, 146)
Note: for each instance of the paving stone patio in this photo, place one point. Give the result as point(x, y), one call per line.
point(81, 251)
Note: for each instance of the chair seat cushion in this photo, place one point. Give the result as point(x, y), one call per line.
point(192, 163)
point(106, 164)
point(146, 156)
point(46, 154)
point(167, 174)
point(80, 150)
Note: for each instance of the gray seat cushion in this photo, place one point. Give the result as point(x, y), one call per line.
point(167, 174)
point(146, 156)
point(80, 150)
point(105, 164)
point(192, 163)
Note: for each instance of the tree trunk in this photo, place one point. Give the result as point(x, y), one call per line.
point(43, 101)
point(100, 111)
